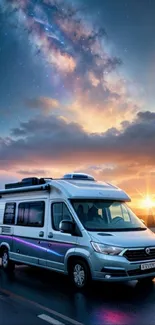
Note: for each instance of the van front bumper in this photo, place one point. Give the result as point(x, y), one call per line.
point(118, 268)
point(107, 275)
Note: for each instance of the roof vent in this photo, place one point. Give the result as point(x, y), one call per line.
point(79, 176)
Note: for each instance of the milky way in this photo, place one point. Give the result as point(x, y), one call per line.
point(68, 43)
point(82, 69)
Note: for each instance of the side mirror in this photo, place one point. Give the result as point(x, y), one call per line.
point(67, 226)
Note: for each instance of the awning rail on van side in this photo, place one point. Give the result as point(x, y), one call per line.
point(45, 187)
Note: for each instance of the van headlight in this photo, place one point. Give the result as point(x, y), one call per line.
point(106, 249)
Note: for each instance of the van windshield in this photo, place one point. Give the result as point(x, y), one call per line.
point(101, 215)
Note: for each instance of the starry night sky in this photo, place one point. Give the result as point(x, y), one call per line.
point(77, 90)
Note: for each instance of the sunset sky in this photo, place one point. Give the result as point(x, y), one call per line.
point(77, 91)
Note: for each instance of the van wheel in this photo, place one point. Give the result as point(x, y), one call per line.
point(7, 265)
point(79, 274)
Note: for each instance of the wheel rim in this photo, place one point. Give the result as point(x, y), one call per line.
point(5, 260)
point(79, 275)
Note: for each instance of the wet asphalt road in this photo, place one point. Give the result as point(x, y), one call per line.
point(33, 296)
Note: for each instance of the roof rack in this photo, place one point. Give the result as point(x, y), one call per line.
point(44, 187)
point(36, 184)
point(31, 181)
point(26, 185)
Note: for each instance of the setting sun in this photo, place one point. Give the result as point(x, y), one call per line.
point(148, 202)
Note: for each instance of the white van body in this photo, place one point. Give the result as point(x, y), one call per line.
point(40, 225)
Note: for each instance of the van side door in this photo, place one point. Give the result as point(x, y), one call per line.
point(59, 243)
point(30, 231)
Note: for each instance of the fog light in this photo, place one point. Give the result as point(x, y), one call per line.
point(107, 276)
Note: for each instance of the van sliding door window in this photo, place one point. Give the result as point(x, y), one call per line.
point(31, 214)
point(9, 213)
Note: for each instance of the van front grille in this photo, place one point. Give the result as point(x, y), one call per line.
point(135, 255)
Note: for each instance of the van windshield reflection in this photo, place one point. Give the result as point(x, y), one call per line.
point(101, 215)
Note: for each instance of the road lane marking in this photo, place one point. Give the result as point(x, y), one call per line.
point(50, 320)
point(37, 305)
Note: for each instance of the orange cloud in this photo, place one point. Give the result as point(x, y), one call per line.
point(100, 116)
point(54, 140)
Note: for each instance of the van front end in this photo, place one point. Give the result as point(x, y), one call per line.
point(120, 246)
point(130, 264)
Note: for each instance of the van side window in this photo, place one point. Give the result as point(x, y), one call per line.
point(31, 214)
point(9, 213)
point(59, 212)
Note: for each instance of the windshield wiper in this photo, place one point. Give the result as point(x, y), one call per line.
point(98, 229)
point(138, 228)
point(117, 229)
point(129, 229)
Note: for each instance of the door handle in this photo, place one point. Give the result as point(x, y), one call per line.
point(50, 235)
point(41, 234)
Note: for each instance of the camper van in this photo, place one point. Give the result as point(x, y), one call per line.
point(77, 226)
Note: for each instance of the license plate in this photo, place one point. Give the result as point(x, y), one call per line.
point(147, 266)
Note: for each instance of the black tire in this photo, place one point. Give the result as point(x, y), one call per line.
point(79, 274)
point(7, 265)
